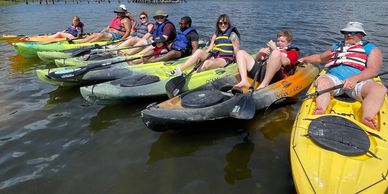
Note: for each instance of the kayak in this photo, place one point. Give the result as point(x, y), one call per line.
point(335, 152)
point(98, 72)
point(65, 59)
point(210, 102)
point(22, 38)
point(148, 84)
point(30, 49)
point(103, 58)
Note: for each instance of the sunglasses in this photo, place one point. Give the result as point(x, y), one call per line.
point(143, 18)
point(222, 23)
point(350, 33)
point(159, 17)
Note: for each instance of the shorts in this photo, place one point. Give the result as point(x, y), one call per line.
point(115, 36)
point(355, 93)
point(228, 59)
point(261, 68)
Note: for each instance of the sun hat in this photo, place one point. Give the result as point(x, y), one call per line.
point(121, 9)
point(160, 13)
point(159, 39)
point(354, 27)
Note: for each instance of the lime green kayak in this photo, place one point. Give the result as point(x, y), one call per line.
point(30, 49)
point(79, 62)
point(100, 72)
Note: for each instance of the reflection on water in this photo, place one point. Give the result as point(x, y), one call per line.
point(237, 161)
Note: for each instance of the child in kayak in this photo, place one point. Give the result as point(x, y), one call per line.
point(74, 31)
point(282, 58)
point(160, 48)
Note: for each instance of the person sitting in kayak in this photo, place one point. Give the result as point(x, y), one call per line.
point(76, 30)
point(282, 59)
point(354, 63)
point(142, 34)
point(224, 43)
point(162, 27)
point(185, 44)
point(118, 29)
point(160, 48)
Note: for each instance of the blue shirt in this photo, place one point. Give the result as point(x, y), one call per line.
point(343, 71)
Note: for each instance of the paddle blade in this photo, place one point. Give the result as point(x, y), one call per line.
point(175, 85)
point(245, 108)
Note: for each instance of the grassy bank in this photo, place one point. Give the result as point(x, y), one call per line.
point(2, 3)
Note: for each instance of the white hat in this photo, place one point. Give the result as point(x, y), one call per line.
point(354, 27)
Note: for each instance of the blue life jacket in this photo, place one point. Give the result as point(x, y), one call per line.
point(73, 30)
point(222, 45)
point(158, 29)
point(181, 42)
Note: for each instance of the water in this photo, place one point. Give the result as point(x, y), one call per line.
point(52, 141)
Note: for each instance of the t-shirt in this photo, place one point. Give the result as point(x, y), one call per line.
point(169, 31)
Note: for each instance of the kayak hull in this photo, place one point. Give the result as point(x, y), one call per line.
point(119, 90)
point(317, 169)
point(159, 117)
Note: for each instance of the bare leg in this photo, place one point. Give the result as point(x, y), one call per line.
point(273, 65)
point(373, 98)
point(244, 63)
point(168, 56)
point(199, 54)
point(139, 42)
point(212, 64)
point(96, 37)
point(323, 100)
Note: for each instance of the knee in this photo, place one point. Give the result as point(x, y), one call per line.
point(380, 89)
point(324, 82)
point(206, 65)
point(241, 53)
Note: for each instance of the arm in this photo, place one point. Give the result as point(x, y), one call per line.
point(133, 21)
point(317, 58)
point(211, 43)
point(374, 63)
point(150, 27)
point(235, 42)
point(168, 31)
point(127, 27)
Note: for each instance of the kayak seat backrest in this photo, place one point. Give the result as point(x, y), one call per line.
point(201, 98)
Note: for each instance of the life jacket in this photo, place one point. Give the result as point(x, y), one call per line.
point(158, 29)
point(73, 30)
point(158, 50)
point(181, 42)
point(222, 45)
point(352, 55)
point(141, 30)
point(115, 23)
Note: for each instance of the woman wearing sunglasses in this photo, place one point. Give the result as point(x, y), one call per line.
point(354, 63)
point(225, 42)
point(142, 33)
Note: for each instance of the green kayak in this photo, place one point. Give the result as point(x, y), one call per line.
point(30, 49)
point(100, 72)
point(79, 62)
point(147, 85)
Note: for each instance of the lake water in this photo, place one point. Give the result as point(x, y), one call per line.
point(53, 141)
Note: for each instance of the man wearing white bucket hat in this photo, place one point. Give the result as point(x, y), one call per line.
point(354, 63)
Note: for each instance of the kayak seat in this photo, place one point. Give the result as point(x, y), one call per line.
point(136, 80)
point(340, 135)
point(201, 98)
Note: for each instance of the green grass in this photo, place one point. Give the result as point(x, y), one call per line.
point(3, 2)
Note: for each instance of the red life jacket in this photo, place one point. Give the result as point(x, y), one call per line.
point(115, 23)
point(353, 56)
point(158, 50)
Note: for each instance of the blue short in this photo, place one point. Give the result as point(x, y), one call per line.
point(115, 36)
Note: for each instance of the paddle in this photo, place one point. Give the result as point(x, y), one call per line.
point(245, 108)
point(83, 50)
point(75, 74)
point(95, 51)
point(176, 84)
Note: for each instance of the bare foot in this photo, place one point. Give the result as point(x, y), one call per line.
point(318, 110)
point(242, 84)
point(261, 86)
point(370, 122)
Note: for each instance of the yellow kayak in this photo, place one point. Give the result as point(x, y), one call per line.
point(21, 38)
point(335, 152)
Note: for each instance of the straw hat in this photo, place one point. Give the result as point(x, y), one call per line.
point(354, 27)
point(160, 13)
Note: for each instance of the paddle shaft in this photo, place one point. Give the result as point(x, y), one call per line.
point(94, 51)
point(317, 93)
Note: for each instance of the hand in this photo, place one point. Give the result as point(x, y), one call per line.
point(272, 45)
point(350, 83)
